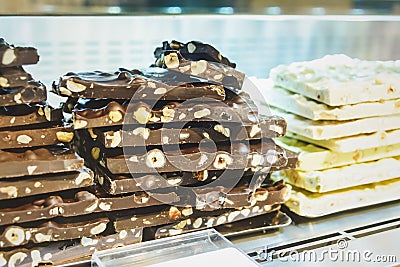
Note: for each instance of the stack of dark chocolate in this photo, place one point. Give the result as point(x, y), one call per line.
point(41, 177)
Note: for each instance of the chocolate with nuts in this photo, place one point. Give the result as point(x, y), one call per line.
point(83, 202)
point(35, 137)
point(193, 50)
point(261, 155)
point(14, 77)
point(38, 161)
point(64, 252)
point(39, 184)
point(16, 235)
point(34, 92)
point(151, 84)
point(26, 115)
point(16, 56)
point(268, 127)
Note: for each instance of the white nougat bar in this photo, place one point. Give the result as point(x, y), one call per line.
point(323, 130)
point(312, 158)
point(309, 204)
point(356, 142)
point(313, 110)
point(342, 177)
point(340, 80)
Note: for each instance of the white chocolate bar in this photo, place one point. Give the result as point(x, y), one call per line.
point(323, 130)
point(342, 177)
point(340, 80)
point(312, 158)
point(310, 204)
point(313, 110)
point(356, 142)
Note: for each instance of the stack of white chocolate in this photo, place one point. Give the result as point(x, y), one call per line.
point(343, 118)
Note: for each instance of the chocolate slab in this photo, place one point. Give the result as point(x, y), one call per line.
point(35, 137)
point(83, 202)
point(16, 56)
point(193, 50)
point(260, 155)
point(14, 77)
point(40, 184)
point(211, 71)
point(67, 252)
point(239, 110)
point(208, 221)
point(166, 215)
point(268, 127)
point(34, 92)
point(151, 84)
point(38, 161)
point(27, 114)
point(49, 231)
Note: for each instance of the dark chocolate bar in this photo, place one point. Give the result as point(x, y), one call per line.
point(193, 50)
point(40, 184)
point(124, 84)
point(239, 110)
point(268, 127)
point(38, 161)
point(83, 202)
point(261, 155)
point(16, 235)
point(16, 56)
point(211, 71)
point(67, 252)
point(212, 220)
point(34, 92)
point(35, 137)
point(24, 115)
point(14, 77)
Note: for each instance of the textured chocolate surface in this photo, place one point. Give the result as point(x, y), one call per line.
point(14, 77)
point(193, 50)
point(34, 92)
point(152, 84)
point(64, 252)
point(239, 156)
point(35, 137)
point(83, 202)
point(39, 184)
point(241, 109)
point(38, 161)
point(268, 127)
point(16, 56)
point(26, 115)
point(16, 235)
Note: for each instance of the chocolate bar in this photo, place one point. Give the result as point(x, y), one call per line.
point(83, 202)
point(240, 110)
point(66, 252)
point(14, 77)
point(211, 71)
point(16, 56)
point(240, 156)
point(35, 137)
point(193, 50)
point(212, 220)
point(24, 115)
point(15, 235)
point(124, 84)
point(38, 161)
point(35, 185)
point(268, 127)
point(34, 92)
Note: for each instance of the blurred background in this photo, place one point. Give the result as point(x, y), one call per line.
point(85, 35)
point(270, 7)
